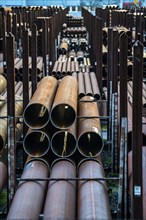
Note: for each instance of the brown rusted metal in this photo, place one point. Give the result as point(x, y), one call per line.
point(88, 88)
point(90, 141)
point(36, 113)
point(36, 143)
point(32, 192)
point(93, 200)
point(3, 83)
point(63, 142)
point(63, 49)
point(130, 173)
point(81, 82)
point(95, 86)
point(61, 195)
point(64, 108)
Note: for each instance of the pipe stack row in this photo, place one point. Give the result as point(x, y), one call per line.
point(61, 197)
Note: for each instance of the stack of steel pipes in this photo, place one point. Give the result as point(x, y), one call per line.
point(19, 68)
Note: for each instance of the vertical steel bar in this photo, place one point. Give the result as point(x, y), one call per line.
point(11, 117)
point(44, 44)
point(34, 58)
point(98, 52)
point(25, 45)
point(4, 39)
point(137, 207)
point(14, 26)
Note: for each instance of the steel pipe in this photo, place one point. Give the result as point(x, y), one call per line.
point(61, 195)
point(94, 85)
point(92, 195)
point(63, 142)
point(36, 113)
point(3, 83)
point(90, 141)
point(81, 82)
point(2, 101)
point(30, 195)
point(36, 143)
point(88, 88)
point(64, 108)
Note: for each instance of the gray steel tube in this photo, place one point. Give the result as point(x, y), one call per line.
point(90, 141)
point(92, 195)
point(94, 85)
point(30, 195)
point(61, 195)
point(36, 114)
point(36, 143)
point(88, 88)
point(81, 82)
point(63, 142)
point(64, 109)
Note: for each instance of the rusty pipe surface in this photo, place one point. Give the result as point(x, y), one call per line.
point(90, 141)
point(61, 195)
point(63, 49)
point(64, 108)
point(92, 195)
point(81, 82)
point(143, 177)
point(3, 83)
point(3, 119)
point(63, 142)
point(36, 143)
point(36, 113)
point(30, 195)
point(88, 88)
point(94, 85)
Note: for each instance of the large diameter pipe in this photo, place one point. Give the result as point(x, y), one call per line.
point(3, 169)
point(63, 142)
point(36, 143)
point(61, 195)
point(3, 83)
point(3, 119)
point(36, 113)
point(2, 101)
point(30, 195)
point(92, 195)
point(130, 173)
point(90, 141)
point(64, 109)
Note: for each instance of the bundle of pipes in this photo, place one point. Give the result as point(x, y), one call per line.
point(19, 67)
point(64, 66)
point(143, 177)
point(63, 204)
point(4, 157)
point(90, 143)
point(88, 85)
point(93, 200)
point(3, 114)
point(36, 116)
point(32, 191)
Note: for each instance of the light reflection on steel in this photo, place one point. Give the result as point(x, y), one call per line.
point(90, 141)
point(63, 142)
point(94, 85)
point(92, 195)
point(30, 195)
point(61, 195)
point(64, 108)
point(36, 113)
point(3, 83)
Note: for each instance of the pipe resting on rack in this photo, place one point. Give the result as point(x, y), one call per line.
point(30, 195)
